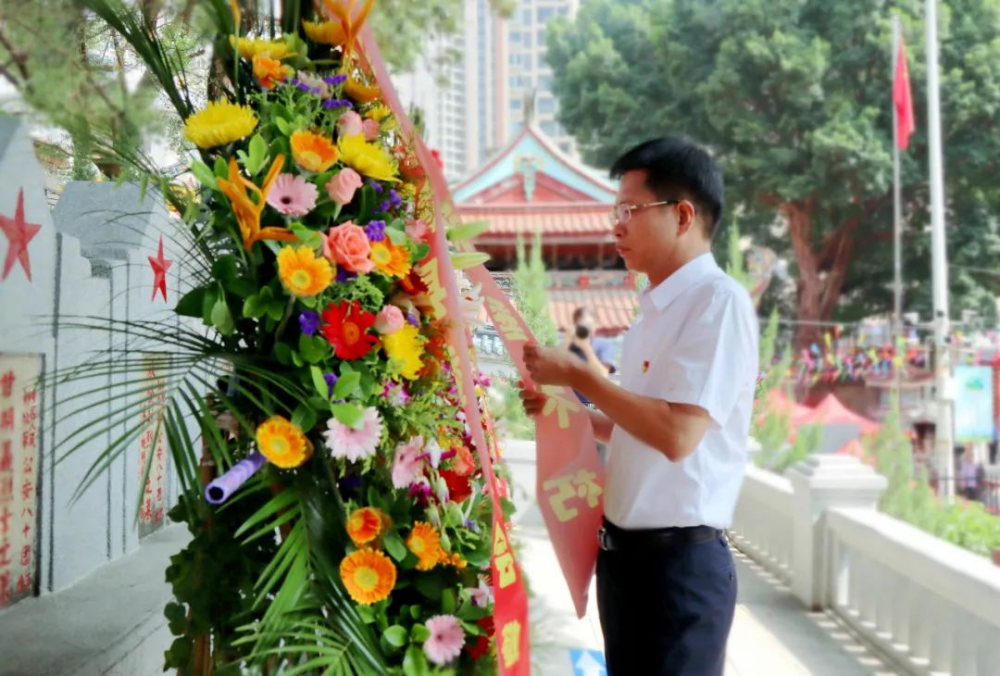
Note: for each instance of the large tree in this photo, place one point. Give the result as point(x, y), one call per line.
point(794, 96)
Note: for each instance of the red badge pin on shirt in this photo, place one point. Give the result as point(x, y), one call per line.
point(645, 366)
point(160, 266)
point(19, 232)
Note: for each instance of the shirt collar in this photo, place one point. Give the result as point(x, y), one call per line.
point(683, 278)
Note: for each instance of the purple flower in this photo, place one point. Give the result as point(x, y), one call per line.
point(344, 275)
point(375, 186)
point(395, 198)
point(412, 319)
point(335, 80)
point(330, 104)
point(395, 393)
point(331, 380)
point(375, 231)
point(350, 482)
point(303, 87)
point(309, 321)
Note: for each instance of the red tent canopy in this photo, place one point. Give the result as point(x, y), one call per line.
point(779, 402)
point(831, 412)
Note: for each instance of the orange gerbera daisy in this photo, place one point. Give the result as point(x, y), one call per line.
point(368, 575)
point(425, 542)
point(313, 152)
point(389, 259)
point(269, 72)
point(364, 525)
point(283, 443)
point(247, 210)
point(302, 273)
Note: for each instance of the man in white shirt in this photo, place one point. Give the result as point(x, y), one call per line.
point(678, 424)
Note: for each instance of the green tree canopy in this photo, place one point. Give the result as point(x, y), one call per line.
point(794, 97)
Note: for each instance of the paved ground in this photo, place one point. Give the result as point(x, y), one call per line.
point(772, 635)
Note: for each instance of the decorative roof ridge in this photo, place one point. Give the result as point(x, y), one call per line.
point(536, 133)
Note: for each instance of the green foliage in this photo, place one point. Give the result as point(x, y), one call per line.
point(909, 497)
point(736, 265)
point(507, 408)
point(794, 98)
point(531, 283)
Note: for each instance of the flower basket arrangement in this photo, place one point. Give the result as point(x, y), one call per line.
point(347, 508)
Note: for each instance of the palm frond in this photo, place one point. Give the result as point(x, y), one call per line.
point(139, 31)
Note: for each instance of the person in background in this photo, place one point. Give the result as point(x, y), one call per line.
point(579, 342)
point(970, 475)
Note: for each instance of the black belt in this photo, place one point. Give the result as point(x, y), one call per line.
point(611, 538)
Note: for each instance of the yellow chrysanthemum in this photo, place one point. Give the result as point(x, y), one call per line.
point(408, 192)
point(389, 259)
point(282, 443)
point(364, 525)
point(367, 159)
point(313, 152)
point(382, 114)
point(249, 48)
point(425, 542)
point(405, 349)
point(379, 112)
point(220, 123)
point(302, 273)
point(368, 575)
point(269, 72)
point(325, 33)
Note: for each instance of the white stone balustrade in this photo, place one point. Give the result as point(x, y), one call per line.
point(929, 605)
point(925, 605)
point(762, 525)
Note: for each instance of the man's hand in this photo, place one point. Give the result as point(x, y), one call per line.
point(532, 401)
point(549, 366)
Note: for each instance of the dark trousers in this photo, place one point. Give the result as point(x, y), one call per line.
point(667, 612)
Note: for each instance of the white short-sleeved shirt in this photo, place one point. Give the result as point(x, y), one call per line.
point(694, 343)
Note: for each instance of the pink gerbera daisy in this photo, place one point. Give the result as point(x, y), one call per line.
point(446, 641)
point(347, 442)
point(408, 465)
point(292, 195)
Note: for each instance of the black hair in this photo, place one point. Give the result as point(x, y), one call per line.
point(578, 312)
point(675, 165)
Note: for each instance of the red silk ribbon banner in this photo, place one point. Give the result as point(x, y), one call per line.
point(511, 599)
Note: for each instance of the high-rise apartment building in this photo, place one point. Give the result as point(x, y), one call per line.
point(525, 73)
point(474, 104)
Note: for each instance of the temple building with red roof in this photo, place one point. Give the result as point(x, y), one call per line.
point(531, 185)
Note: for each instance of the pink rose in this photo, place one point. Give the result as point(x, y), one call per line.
point(350, 124)
point(389, 320)
point(347, 245)
point(343, 185)
point(417, 230)
point(370, 129)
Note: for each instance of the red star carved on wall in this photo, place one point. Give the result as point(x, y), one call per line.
point(19, 232)
point(160, 266)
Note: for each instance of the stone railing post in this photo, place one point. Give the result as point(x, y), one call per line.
point(820, 483)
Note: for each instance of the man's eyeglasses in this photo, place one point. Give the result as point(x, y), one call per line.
point(622, 213)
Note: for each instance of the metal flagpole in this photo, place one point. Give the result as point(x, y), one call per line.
point(897, 224)
point(897, 307)
point(943, 446)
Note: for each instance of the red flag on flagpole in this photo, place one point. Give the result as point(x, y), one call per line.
point(903, 101)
